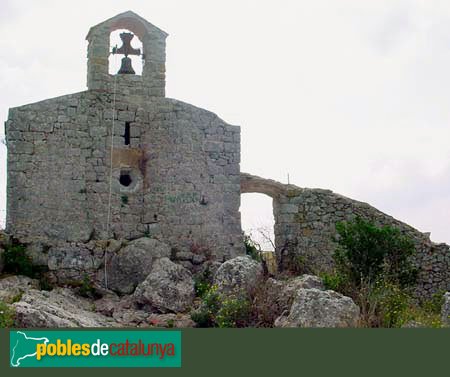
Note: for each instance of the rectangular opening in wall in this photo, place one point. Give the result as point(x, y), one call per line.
point(127, 133)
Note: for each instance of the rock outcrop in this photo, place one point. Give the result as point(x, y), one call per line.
point(239, 275)
point(13, 287)
point(316, 308)
point(168, 288)
point(132, 264)
point(283, 292)
point(57, 308)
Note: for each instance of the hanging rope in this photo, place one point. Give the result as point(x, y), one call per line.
point(108, 219)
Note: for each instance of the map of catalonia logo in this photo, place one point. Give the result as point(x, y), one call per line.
point(24, 347)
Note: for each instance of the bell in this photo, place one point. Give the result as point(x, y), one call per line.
point(126, 67)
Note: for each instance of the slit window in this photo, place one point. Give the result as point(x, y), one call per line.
point(126, 136)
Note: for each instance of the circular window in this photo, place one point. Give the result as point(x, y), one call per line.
point(127, 179)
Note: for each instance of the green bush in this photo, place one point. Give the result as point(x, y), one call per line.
point(219, 311)
point(205, 316)
point(434, 304)
point(421, 316)
point(202, 283)
point(17, 261)
point(334, 281)
point(366, 252)
point(6, 315)
point(428, 313)
point(392, 304)
point(372, 265)
point(233, 312)
point(251, 248)
point(86, 288)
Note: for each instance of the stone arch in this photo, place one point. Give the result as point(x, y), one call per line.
point(254, 184)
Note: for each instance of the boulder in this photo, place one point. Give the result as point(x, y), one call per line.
point(106, 304)
point(57, 308)
point(239, 275)
point(127, 313)
point(446, 310)
point(274, 297)
point(13, 287)
point(316, 308)
point(132, 264)
point(304, 281)
point(289, 288)
point(168, 288)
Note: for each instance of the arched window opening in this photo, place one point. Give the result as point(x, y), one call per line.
point(257, 219)
point(115, 60)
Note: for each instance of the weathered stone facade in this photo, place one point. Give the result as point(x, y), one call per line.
point(305, 225)
point(177, 179)
point(122, 161)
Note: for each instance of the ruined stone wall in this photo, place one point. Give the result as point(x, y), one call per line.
point(305, 225)
point(183, 162)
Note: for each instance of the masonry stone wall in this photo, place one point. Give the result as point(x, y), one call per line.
point(183, 162)
point(305, 226)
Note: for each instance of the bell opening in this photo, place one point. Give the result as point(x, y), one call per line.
point(120, 64)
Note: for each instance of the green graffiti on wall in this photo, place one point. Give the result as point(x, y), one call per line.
point(183, 198)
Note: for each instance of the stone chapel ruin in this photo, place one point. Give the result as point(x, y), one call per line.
point(121, 161)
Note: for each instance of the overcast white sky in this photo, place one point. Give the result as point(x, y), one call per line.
point(348, 95)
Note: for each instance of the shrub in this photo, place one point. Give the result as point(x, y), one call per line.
point(202, 283)
point(86, 288)
point(266, 305)
point(422, 317)
point(251, 248)
point(233, 312)
point(372, 265)
point(427, 314)
point(392, 304)
point(434, 304)
point(219, 311)
point(205, 316)
point(17, 261)
point(335, 281)
point(365, 252)
point(6, 315)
